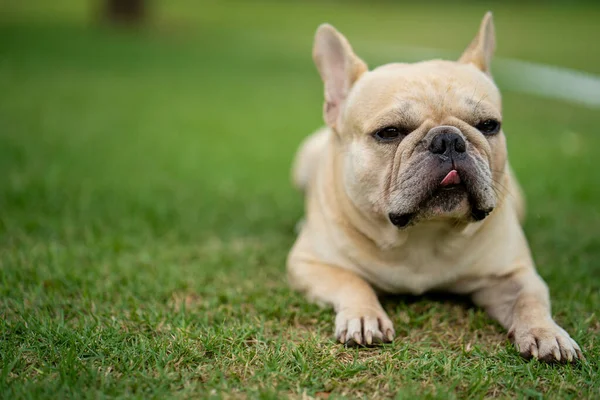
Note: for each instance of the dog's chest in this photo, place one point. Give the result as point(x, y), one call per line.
point(418, 266)
point(412, 278)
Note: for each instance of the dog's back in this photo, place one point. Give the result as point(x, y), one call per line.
point(307, 158)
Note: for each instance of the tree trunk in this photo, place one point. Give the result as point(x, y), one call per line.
point(131, 12)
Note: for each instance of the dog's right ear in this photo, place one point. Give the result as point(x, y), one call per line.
point(339, 68)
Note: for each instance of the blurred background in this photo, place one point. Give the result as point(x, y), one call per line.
point(128, 123)
point(131, 127)
point(145, 203)
point(182, 117)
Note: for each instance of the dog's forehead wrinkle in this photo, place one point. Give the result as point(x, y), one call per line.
point(471, 100)
point(400, 110)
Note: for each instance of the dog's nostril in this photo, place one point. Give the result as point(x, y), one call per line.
point(447, 142)
point(437, 146)
point(460, 145)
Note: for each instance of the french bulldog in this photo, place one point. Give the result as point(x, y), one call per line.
point(408, 190)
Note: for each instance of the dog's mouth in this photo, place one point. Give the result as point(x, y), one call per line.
point(449, 196)
point(451, 180)
point(452, 183)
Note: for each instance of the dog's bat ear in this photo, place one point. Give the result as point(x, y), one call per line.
point(339, 67)
point(481, 49)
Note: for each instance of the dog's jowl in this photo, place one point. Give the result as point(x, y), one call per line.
point(408, 189)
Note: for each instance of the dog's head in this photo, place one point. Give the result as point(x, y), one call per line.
point(416, 141)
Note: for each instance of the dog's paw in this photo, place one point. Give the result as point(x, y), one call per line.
point(548, 343)
point(363, 326)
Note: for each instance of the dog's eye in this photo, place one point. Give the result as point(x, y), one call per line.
point(488, 127)
point(388, 134)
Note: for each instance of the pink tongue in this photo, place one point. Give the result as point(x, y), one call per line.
point(451, 179)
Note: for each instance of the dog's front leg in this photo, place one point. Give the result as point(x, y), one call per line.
point(520, 302)
point(360, 318)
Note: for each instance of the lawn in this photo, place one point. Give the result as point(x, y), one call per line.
point(146, 210)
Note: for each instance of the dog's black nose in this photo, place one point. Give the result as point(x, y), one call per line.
point(447, 142)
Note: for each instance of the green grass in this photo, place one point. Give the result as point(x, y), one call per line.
point(146, 211)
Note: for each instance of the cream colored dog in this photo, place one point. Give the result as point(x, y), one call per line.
point(409, 190)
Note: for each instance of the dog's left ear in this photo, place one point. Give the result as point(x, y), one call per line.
point(481, 49)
